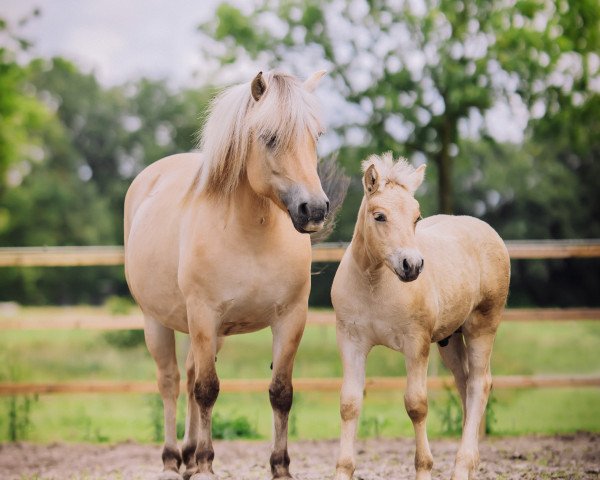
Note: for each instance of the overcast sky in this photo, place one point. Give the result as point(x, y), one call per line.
point(121, 40)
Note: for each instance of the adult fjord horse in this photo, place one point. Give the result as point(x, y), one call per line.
point(210, 250)
point(404, 285)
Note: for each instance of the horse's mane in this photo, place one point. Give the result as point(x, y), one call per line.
point(285, 110)
point(389, 171)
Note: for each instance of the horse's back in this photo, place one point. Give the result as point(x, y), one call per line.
point(471, 234)
point(165, 177)
point(468, 241)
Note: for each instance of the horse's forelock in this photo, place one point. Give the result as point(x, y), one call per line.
point(286, 110)
point(389, 170)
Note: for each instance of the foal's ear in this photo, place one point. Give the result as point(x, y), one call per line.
point(258, 87)
point(311, 82)
point(371, 180)
point(415, 179)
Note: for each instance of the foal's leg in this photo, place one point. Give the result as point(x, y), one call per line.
point(415, 400)
point(203, 344)
point(454, 356)
point(161, 344)
point(287, 333)
point(354, 357)
point(479, 383)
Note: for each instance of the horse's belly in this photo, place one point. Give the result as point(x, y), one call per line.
point(251, 313)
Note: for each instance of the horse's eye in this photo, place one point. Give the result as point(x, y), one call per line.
point(271, 141)
point(380, 217)
point(419, 218)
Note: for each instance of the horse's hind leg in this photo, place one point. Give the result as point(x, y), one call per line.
point(479, 340)
point(454, 356)
point(161, 344)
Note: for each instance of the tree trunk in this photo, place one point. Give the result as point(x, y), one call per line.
point(444, 163)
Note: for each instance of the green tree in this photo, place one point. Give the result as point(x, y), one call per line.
point(89, 144)
point(419, 70)
point(20, 113)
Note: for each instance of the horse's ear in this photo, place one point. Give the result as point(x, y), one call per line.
point(311, 82)
point(258, 87)
point(371, 180)
point(415, 179)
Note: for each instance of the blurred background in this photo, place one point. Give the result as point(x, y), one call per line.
point(500, 99)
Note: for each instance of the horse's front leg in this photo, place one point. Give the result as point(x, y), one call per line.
point(203, 344)
point(287, 333)
point(354, 356)
point(415, 400)
point(192, 420)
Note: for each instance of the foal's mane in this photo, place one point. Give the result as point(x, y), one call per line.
point(389, 171)
point(286, 110)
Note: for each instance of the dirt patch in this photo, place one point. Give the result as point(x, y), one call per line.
point(523, 458)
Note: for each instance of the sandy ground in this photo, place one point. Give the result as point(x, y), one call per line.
point(560, 457)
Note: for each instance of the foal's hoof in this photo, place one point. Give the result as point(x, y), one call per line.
point(342, 476)
point(169, 475)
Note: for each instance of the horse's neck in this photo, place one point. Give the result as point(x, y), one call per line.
point(250, 211)
point(365, 262)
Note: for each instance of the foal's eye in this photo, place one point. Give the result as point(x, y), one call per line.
point(419, 218)
point(380, 217)
point(271, 141)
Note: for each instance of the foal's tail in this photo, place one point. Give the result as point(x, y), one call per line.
point(335, 184)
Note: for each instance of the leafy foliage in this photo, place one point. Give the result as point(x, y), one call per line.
point(414, 72)
point(418, 81)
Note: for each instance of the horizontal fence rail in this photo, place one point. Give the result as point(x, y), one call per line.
point(325, 252)
point(65, 318)
point(71, 319)
point(300, 384)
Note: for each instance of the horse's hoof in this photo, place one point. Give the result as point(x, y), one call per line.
point(342, 476)
point(169, 475)
point(204, 476)
point(189, 473)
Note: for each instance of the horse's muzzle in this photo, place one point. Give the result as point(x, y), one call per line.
point(308, 214)
point(409, 266)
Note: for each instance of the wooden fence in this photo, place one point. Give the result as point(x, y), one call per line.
point(113, 255)
point(326, 252)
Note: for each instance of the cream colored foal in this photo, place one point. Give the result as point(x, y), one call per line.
point(405, 284)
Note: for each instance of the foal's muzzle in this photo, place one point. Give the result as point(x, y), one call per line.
point(308, 212)
point(408, 265)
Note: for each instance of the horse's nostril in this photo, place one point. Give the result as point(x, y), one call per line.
point(327, 207)
point(422, 264)
point(405, 266)
point(303, 209)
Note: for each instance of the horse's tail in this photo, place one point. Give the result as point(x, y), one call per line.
point(335, 184)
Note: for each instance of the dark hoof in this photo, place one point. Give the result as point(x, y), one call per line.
point(204, 476)
point(189, 473)
point(169, 475)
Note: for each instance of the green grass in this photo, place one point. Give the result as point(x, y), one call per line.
point(521, 348)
